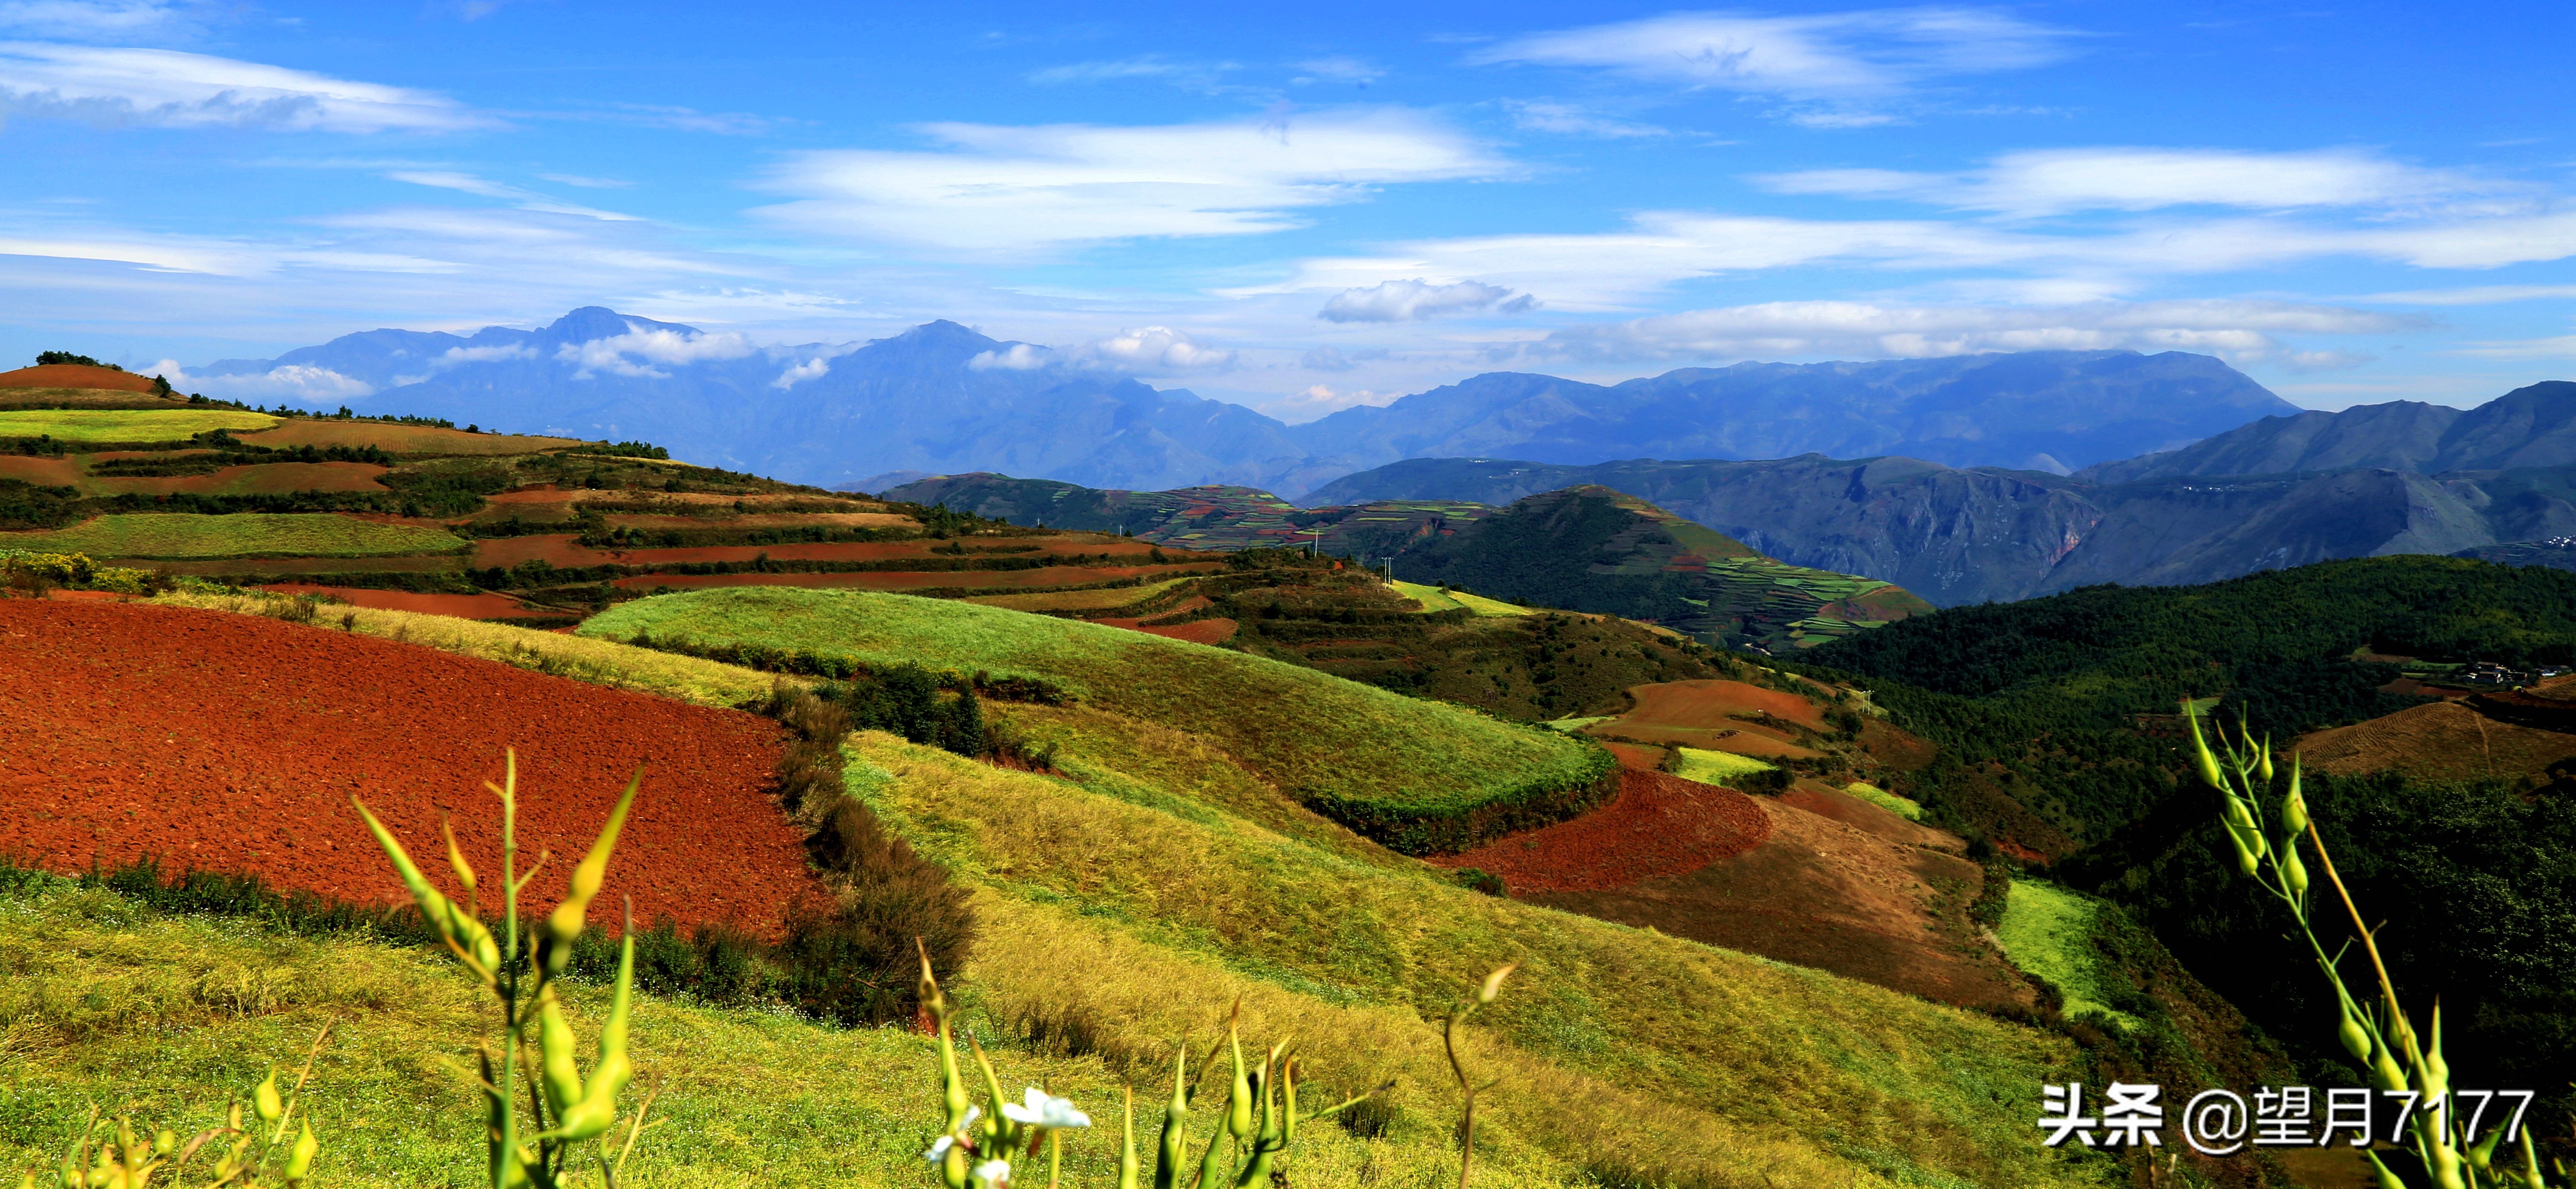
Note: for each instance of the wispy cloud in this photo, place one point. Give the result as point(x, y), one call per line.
point(1191, 75)
point(1340, 69)
point(447, 179)
point(2473, 295)
point(2242, 330)
point(2060, 181)
point(172, 89)
point(1415, 299)
point(95, 20)
point(1566, 119)
point(1020, 189)
point(1851, 54)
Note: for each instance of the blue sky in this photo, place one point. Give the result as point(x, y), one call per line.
point(1319, 205)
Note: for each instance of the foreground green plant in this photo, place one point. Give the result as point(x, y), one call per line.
point(257, 1154)
point(566, 1115)
point(1260, 1119)
point(2378, 1034)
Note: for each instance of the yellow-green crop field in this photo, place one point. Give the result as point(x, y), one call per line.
point(125, 425)
point(1717, 767)
point(179, 536)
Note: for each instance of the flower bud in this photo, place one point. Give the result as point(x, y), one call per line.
point(2356, 1039)
point(299, 1162)
point(2293, 872)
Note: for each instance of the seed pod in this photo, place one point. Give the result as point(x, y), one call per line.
point(1238, 1105)
point(2293, 872)
point(299, 1162)
point(565, 922)
point(2356, 1040)
point(456, 858)
point(2201, 757)
point(2387, 1179)
point(2384, 1070)
point(2263, 762)
point(1127, 1142)
point(164, 1142)
point(1494, 982)
point(2245, 861)
point(2482, 1154)
point(1167, 1171)
point(554, 1047)
point(2446, 1162)
point(465, 936)
point(2435, 1075)
point(2294, 808)
point(264, 1099)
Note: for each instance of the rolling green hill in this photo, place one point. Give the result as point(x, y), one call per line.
point(1419, 776)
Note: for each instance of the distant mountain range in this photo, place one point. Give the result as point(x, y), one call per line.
point(941, 398)
point(1580, 548)
point(2344, 488)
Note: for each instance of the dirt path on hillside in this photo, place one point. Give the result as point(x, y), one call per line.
point(233, 743)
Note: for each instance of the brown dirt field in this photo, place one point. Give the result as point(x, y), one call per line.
point(400, 439)
point(565, 549)
point(1828, 802)
point(462, 606)
point(43, 472)
point(1823, 894)
point(438, 564)
point(1710, 703)
point(86, 398)
point(2440, 741)
point(765, 520)
point(73, 375)
point(1658, 825)
point(916, 579)
point(233, 743)
point(1643, 759)
point(1744, 739)
point(267, 478)
point(1198, 631)
point(1895, 748)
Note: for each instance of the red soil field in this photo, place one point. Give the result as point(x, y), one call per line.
point(1643, 759)
point(233, 743)
point(1827, 802)
point(448, 563)
point(43, 472)
point(462, 606)
point(1709, 703)
point(1038, 579)
point(1197, 631)
point(1659, 824)
point(73, 375)
point(267, 478)
point(400, 439)
point(566, 549)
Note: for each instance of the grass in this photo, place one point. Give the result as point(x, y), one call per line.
point(108, 1006)
point(1902, 806)
point(125, 425)
point(1417, 775)
point(1570, 725)
point(1102, 599)
point(1113, 924)
point(1716, 767)
point(179, 536)
point(599, 662)
point(1433, 598)
point(2048, 931)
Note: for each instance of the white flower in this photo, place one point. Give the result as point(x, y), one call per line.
point(939, 1147)
point(1045, 1112)
point(994, 1174)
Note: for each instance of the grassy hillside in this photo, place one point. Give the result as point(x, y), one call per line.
point(1417, 775)
point(159, 535)
point(1640, 1056)
point(120, 425)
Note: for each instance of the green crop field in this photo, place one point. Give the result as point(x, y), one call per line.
point(1433, 598)
point(1652, 1060)
point(1902, 806)
point(1717, 767)
point(177, 536)
point(2048, 931)
point(1415, 774)
point(125, 425)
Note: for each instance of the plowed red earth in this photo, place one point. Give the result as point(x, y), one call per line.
point(1197, 631)
point(462, 606)
point(1658, 825)
point(1038, 579)
point(73, 375)
point(233, 743)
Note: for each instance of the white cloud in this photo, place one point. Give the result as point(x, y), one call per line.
point(1015, 189)
point(1416, 299)
point(1022, 357)
point(1341, 69)
point(1150, 350)
point(1317, 400)
point(1612, 270)
point(2057, 181)
point(459, 356)
point(648, 348)
point(180, 90)
point(587, 183)
point(811, 369)
point(448, 179)
point(2474, 295)
point(2241, 330)
point(1835, 54)
point(2560, 347)
point(90, 19)
point(293, 383)
point(1566, 119)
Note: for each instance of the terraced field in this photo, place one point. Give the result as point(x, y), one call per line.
point(174, 536)
point(1418, 776)
point(123, 425)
